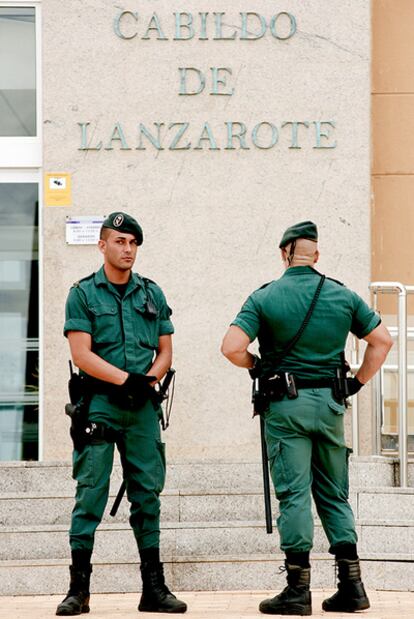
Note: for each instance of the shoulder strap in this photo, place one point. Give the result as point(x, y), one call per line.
point(76, 284)
point(304, 324)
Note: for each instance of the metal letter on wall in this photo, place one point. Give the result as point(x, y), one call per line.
point(293, 26)
point(117, 25)
point(320, 133)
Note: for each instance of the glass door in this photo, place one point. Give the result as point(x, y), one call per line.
point(19, 321)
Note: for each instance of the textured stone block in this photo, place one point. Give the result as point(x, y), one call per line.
point(390, 506)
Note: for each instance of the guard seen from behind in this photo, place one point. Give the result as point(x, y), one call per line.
point(302, 321)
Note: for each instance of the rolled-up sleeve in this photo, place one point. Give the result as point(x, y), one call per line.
point(77, 315)
point(248, 319)
point(364, 319)
point(166, 326)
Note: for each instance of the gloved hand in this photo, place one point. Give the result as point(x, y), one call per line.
point(135, 391)
point(256, 370)
point(354, 385)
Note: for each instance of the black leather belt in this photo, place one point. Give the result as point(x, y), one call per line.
point(313, 383)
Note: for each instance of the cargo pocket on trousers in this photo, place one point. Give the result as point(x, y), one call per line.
point(82, 468)
point(336, 407)
point(278, 469)
point(161, 467)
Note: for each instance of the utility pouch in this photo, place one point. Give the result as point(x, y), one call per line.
point(340, 389)
point(272, 389)
point(276, 387)
point(78, 409)
point(291, 391)
point(76, 386)
point(260, 398)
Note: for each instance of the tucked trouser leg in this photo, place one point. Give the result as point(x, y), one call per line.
point(76, 601)
point(92, 470)
point(296, 598)
point(143, 460)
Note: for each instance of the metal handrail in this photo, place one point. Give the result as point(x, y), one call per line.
point(387, 288)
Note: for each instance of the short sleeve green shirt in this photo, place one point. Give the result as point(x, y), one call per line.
point(123, 332)
point(275, 312)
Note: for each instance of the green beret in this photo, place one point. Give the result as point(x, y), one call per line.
point(122, 222)
point(302, 230)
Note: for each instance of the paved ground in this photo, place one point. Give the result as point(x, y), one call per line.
point(203, 605)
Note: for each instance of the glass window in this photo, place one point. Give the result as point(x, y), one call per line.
point(17, 71)
point(19, 321)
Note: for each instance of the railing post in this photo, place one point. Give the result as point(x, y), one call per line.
point(355, 409)
point(402, 374)
point(376, 398)
point(402, 387)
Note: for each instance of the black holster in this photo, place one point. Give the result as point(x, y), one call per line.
point(340, 389)
point(272, 389)
point(78, 410)
point(84, 432)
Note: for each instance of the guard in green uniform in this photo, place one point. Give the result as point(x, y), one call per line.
point(301, 366)
point(119, 330)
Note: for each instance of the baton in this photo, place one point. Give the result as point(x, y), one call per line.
point(266, 484)
point(118, 499)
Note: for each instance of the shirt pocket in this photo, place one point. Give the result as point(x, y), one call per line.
point(146, 326)
point(106, 324)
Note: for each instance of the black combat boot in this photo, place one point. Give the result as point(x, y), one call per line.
point(295, 599)
point(77, 598)
point(156, 597)
point(351, 595)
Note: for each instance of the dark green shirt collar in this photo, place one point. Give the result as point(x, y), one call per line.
point(101, 280)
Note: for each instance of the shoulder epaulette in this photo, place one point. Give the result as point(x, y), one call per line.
point(264, 286)
point(147, 280)
point(336, 281)
point(76, 284)
point(331, 278)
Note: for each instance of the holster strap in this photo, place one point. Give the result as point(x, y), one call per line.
point(99, 432)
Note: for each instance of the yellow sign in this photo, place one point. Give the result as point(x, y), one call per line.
point(58, 190)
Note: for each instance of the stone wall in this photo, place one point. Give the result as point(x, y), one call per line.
point(212, 207)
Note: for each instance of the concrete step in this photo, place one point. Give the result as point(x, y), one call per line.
point(51, 477)
point(40, 509)
point(213, 534)
point(115, 543)
point(30, 509)
point(202, 573)
point(385, 504)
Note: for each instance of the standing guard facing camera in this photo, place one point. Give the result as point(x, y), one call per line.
point(119, 330)
point(302, 321)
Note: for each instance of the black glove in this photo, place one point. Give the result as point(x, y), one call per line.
point(135, 391)
point(256, 370)
point(354, 385)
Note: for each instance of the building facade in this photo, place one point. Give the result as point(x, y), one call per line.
point(216, 129)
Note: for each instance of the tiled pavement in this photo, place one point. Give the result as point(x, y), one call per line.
point(203, 605)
